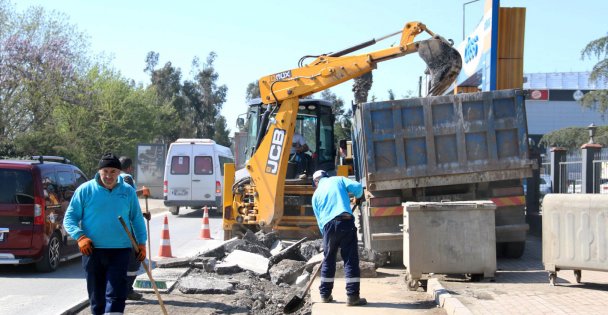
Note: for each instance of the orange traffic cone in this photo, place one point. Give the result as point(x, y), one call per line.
point(165, 243)
point(205, 232)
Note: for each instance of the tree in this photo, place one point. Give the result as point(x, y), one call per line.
point(253, 91)
point(597, 99)
point(573, 138)
point(42, 57)
point(391, 95)
point(207, 98)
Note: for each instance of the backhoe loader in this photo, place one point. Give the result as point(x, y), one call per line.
point(261, 196)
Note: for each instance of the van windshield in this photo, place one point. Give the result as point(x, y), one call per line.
point(16, 187)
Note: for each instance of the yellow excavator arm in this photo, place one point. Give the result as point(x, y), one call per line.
point(261, 198)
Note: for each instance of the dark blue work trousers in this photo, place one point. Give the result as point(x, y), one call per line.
point(132, 271)
point(342, 235)
point(106, 273)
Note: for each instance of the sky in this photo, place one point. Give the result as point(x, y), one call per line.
point(257, 38)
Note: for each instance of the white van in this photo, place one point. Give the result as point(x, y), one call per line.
point(194, 173)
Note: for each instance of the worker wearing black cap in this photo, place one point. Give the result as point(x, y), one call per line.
point(92, 219)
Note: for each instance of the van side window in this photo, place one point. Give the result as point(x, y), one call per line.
point(224, 160)
point(51, 189)
point(180, 165)
point(203, 165)
point(67, 182)
point(80, 178)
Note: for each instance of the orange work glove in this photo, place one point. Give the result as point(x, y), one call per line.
point(145, 191)
point(141, 255)
point(85, 245)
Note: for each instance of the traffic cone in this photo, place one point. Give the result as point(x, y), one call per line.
point(205, 232)
point(165, 242)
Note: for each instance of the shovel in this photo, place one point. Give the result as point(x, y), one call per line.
point(134, 245)
point(297, 300)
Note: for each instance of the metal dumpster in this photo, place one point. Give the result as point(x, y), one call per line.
point(448, 238)
point(575, 233)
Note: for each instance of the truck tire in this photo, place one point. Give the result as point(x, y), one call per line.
point(514, 249)
point(174, 210)
point(52, 255)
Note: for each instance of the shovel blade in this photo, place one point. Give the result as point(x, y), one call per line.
point(293, 305)
point(443, 63)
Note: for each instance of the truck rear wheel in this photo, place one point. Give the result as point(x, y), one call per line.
point(174, 210)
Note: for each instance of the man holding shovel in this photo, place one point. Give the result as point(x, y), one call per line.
point(91, 219)
point(331, 205)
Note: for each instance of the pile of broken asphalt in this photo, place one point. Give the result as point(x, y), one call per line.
point(258, 274)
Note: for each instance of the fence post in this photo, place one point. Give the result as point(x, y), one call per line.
point(557, 155)
point(588, 151)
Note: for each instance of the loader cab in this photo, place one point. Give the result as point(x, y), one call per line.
point(315, 122)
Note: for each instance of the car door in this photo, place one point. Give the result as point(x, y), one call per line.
point(16, 207)
point(179, 181)
point(203, 175)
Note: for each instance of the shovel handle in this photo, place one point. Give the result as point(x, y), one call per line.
point(134, 245)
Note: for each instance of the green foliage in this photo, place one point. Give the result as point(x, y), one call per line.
point(573, 138)
point(253, 91)
point(598, 99)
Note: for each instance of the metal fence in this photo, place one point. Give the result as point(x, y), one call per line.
point(600, 172)
point(571, 174)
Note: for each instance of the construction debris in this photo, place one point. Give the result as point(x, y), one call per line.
point(257, 273)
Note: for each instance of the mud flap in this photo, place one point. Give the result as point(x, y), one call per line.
point(443, 63)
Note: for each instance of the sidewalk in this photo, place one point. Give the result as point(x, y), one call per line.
point(522, 286)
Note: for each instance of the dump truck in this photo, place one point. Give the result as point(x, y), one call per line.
point(442, 148)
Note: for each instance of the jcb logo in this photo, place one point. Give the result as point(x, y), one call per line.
point(276, 147)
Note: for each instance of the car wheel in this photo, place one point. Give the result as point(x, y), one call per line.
point(51, 256)
point(174, 210)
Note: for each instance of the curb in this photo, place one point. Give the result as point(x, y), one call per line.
point(76, 308)
point(445, 300)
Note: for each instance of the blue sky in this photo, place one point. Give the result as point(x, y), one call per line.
point(256, 38)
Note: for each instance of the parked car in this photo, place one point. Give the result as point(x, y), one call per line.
point(575, 187)
point(34, 196)
point(603, 186)
point(545, 185)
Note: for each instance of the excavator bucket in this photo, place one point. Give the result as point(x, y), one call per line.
point(443, 62)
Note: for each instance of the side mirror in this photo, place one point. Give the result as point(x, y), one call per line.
point(240, 122)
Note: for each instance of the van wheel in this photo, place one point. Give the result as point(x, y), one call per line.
point(174, 210)
point(51, 256)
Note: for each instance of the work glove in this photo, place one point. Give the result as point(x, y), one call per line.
point(85, 245)
point(141, 254)
point(145, 191)
point(147, 215)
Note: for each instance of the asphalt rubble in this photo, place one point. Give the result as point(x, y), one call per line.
point(256, 274)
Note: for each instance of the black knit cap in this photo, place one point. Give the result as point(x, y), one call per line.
point(109, 160)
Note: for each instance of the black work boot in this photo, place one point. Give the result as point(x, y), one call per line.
point(328, 299)
point(134, 296)
point(355, 300)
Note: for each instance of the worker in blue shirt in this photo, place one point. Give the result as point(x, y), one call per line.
point(126, 173)
point(92, 219)
point(331, 205)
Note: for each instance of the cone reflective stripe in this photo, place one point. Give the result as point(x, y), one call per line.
point(205, 232)
point(165, 242)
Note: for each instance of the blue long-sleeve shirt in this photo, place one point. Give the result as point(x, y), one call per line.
point(98, 209)
point(331, 198)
